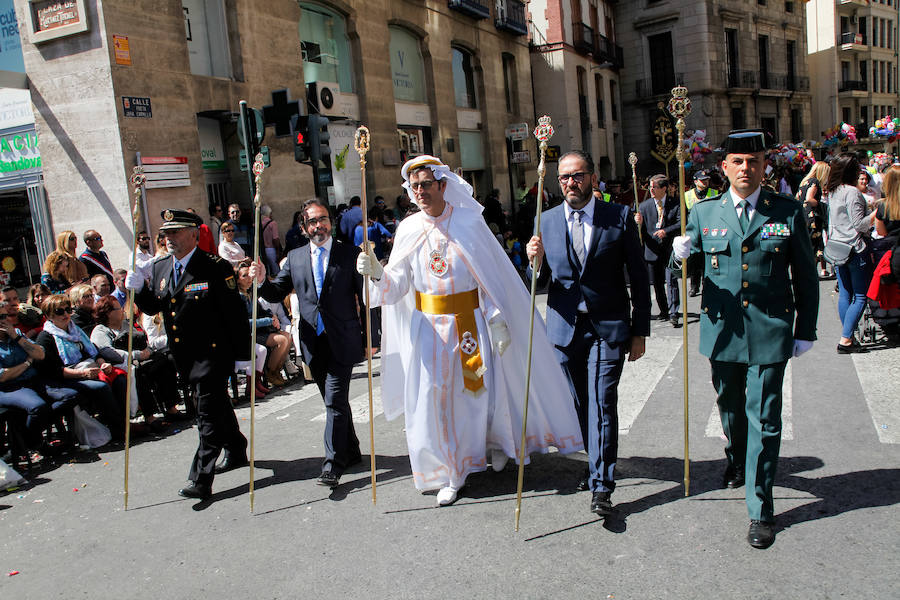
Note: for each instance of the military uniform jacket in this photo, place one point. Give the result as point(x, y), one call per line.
point(206, 322)
point(760, 290)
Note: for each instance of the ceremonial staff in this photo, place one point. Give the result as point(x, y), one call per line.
point(543, 132)
point(361, 142)
point(258, 168)
point(137, 180)
point(632, 160)
point(680, 107)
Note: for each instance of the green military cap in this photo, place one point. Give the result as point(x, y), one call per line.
point(747, 141)
point(174, 218)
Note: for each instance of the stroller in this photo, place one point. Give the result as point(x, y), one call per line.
point(882, 306)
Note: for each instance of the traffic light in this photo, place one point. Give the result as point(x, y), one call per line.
point(301, 138)
point(318, 138)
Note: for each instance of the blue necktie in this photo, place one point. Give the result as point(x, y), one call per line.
point(318, 277)
point(177, 277)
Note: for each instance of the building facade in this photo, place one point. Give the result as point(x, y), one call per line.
point(575, 65)
point(853, 62)
point(743, 63)
point(118, 83)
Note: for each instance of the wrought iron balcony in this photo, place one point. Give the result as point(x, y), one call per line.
point(511, 17)
point(798, 84)
point(851, 37)
point(583, 38)
point(658, 86)
point(853, 85)
point(607, 52)
point(477, 9)
point(737, 78)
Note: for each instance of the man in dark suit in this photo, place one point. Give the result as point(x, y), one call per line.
point(203, 316)
point(759, 269)
point(95, 260)
point(659, 218)
point(587, 246)
point(323, 273)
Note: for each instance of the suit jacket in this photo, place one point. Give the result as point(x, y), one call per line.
point(654, 248)
point(342, 294)
point(614, 248)
point(756, 282)
point(204, 315)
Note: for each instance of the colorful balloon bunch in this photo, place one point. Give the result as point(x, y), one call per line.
point(697, 146)
point(886, 127)
point(840, 134)
point(879, 159)
point(791, 154)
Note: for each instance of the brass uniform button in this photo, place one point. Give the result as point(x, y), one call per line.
point(745, 249)
point(172, 313)
point(787, 310)
point(177, 340)
point(173, 300)
point(777, 249)
point(174, 327)
point(746, 304)
point(745, 285)
point(745, 266)
point(706, 309)
point(213, 344)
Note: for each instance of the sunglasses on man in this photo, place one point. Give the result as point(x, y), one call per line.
point(95, 239)
point(62, 311)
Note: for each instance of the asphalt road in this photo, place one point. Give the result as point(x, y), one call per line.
point(837, 495)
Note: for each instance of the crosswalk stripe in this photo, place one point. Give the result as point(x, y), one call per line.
point(878, 373)
point(359, 406)
point(714, 424)
point(640, 378)
point(278, 403)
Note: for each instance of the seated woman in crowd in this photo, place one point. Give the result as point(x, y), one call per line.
point(110, 336)
point(158, 343)
point(71, 361)
point(268, 333)
point(82, 298)
point(67, 243)
point(161, 249)
point(228, 248)
point(37, 293)
point(54, 276)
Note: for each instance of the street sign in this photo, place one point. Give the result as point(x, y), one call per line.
point(134, 106)
point(242, 157)
point(552, 154)
point(166, 171)
point(519, 158)
point(517, 131)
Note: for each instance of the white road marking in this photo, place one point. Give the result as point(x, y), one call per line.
point(878, 374)
point(641, 377)
point(359, 405)
point(266, 406)
point(714, 425)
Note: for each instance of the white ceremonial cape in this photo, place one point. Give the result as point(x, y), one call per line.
point(552, 420)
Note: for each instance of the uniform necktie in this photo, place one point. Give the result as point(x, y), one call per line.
point(578, 235)
point(318, 277)
point(745, 216)
point(178, 269)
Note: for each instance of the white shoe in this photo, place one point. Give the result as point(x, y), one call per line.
point(446, 496)
point(498, 459)
point(291, 369)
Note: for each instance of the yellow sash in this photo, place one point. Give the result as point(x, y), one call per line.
point(462, 306)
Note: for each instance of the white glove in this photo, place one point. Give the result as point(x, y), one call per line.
point(801, 347)
point(367, 264)
point(134, 281)
point(499, 335)
point(681, 246)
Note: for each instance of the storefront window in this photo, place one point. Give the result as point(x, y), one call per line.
point(463, 79)
point(325, 46)
point(407, 66)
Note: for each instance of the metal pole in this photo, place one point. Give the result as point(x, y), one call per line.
point(632, 160)
point(543, 132)
point(137, 180)
point(680, 107)
point(361, 142)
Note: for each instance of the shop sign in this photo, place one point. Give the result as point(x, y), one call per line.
point(134, 106)
point(517, 131)
point(52, 19)
point(19, 154)
point(212, 151)
point(345, 171)
point(520, 158)
point(166, 171)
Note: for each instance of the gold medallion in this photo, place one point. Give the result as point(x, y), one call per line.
point(162, 284)
point(168, 216)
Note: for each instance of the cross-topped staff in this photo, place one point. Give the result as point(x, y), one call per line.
point(258, 167)
point(137, 180)
point(361, 142)
point(632, 160)
point(543, 132)
point(680, 107)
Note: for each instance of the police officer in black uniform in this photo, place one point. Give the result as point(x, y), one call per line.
point(208, 331)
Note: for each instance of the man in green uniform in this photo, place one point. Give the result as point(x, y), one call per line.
point(759, 307)
point(700, 191)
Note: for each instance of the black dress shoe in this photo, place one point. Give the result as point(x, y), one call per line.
point(733, 478)
point(663, 316)
point(230, 463)
point(600, 504)
point(674, 320)
point(200, 491)
point(761, 534)
point(583, 483)
point(694, 293)
point(328, 479)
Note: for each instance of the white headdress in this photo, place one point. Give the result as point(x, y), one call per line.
point(458, 192)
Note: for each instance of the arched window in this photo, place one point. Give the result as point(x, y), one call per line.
point(463, 79)
point(325, 46)
point(407, 66)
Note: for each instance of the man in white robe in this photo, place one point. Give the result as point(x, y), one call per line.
point(455, 346)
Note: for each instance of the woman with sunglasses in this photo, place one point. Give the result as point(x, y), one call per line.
point(71, 361)
point(67, 243)
point(228, 248)
point(268, 333)
point(55, 269)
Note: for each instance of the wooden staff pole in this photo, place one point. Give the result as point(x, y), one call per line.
point(632, 160)
point(543, 132)
point(258, 167)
